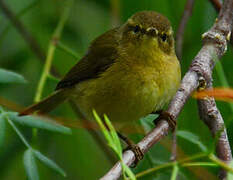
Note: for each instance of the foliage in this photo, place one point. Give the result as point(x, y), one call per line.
point(64, 31)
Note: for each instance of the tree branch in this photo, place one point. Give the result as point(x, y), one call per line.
point(217, 5)
point(180, 32)
point(215, 43)
point(212, 118)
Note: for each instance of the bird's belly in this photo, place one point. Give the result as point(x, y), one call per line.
point(125, 97)
point(122, 100)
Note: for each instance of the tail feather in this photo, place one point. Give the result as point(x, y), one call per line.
point(48, 104)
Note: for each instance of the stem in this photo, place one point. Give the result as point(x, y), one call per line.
point(213, 158)
point(175, 171)
point(18, 132)
point(169, 164)
point(52, 46)
point(199, 164)
point(49, 58)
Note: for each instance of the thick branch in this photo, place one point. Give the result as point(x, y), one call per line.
point(215, 43)
point(180, 32)
point(212, 118)
point(217, 5)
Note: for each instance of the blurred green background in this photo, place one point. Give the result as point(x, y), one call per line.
point(79, 154)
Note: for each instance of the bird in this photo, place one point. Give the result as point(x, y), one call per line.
point(127, 73)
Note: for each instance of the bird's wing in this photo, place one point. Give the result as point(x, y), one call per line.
point(101, 54)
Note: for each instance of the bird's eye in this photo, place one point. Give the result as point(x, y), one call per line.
point(164, 37)
point(136, 29)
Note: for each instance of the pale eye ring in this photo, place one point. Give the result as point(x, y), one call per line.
point(164, 37)
point(136, 29)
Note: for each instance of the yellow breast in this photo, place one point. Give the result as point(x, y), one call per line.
point(129, 91)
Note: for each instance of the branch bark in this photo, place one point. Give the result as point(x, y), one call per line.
point(218, 5)
point(212, 118)
point(215, 44)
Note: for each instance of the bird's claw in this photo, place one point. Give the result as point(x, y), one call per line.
point(168, 117)
point(137, 152)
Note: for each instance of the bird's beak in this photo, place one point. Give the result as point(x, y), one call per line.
point(152, 31)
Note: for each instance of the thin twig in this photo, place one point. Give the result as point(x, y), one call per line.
point(49, 58)
point(18, 15)
point(22, 30)
point(27, 36)
point(214, 42)
point(51, 49)
point(174, 147)
point(180, 32)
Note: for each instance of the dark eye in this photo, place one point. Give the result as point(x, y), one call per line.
point(136, 29)
point(164, 37)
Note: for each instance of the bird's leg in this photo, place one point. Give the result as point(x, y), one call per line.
point(133, 147)
point(166, 116)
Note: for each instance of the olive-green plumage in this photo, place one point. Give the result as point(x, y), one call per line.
point(127, 73)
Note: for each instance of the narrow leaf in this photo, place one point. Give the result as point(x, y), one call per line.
point(10, 77)
point(30, 165)
point(48, 162)
point(192, 138)
point(114, 135)
point(38, 122)
point(103, 128)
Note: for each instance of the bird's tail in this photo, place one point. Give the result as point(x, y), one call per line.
point(47, 104)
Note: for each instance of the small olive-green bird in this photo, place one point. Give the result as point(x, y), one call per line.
point(127, 73)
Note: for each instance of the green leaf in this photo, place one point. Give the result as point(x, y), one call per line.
point(113, 141)
point(229, 174)
point(10, 77)
point(192, 138)
point(30, 165)
point(115, 138)
point(175, 171)
point(38, 122)
point(48, 162)
point(128, 172)
point(103, 128)
point(2, 130)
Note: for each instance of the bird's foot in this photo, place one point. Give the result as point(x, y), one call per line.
point(133, 147)
point(137, 152)
point(166, 116)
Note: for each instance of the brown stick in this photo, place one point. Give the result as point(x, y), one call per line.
point(215, 43)
point(212, 118)
point(217, 5)
point(180, 32)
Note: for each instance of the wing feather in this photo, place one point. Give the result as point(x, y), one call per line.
point(101, 54)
